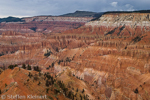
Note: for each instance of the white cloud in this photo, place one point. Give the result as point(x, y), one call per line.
point(114, 4)
point(129, 7)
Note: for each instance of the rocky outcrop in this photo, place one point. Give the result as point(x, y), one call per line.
point(118, 24)
point(57, 18)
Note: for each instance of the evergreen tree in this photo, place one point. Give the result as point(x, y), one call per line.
point(29, 67)
point(36, 68)
point(23, 66)
point(80, 97)
point(39, 83)
point(12, 66)
point(47, 83)
point(83, 91)
point(30, 75)
point(40, 74)
point(47, 90)
point(5, 85)
point(52, 64)
point(69, 94)
point(77, 90)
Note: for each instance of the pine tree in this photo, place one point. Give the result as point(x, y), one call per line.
point(77, 90)
point(47, 90)
point(30, 75)
point(52, 64)
point(5, 84)
point(83, 91)
point(23, 66)
point(29, 67)
point(47, 83)
point(39, 83)
point(80, 97)
point(69, 94)
point(40, 74)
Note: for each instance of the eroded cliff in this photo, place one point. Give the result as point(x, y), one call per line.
point(44, 24)
point(109, 56)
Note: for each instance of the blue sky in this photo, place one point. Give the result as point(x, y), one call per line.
point(24, 8)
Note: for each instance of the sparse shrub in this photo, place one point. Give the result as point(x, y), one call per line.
point(60, 61)
point(48, 53)
point(136, 91)
point(39, 83)
point(30, 75)
point(47, 83)
point(47, 68)
point(52, 64)
point(57, 49)
point(40, 74)
point(12, 66)
point(36, 77)
point(5, 85)
point(62, 86)
point(136, 39)
point(3, 67)
point(36, 68)
point(1, 54)
point(80, 97)
point(68, 60)
point(84, 97)
point(47, 90)
point(70, 94)
point(56, 91)
point(15, 65)
point(23, 66)
point(50, 98)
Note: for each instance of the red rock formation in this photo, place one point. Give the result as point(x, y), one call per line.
point(111, 55)
point(44, 24)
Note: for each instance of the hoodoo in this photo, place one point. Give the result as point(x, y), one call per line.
point(106, 58)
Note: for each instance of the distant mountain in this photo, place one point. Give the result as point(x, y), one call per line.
point(11, 19)
point(75, 14)
point(83, 14)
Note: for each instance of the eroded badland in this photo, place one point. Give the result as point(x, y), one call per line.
point(106, 59)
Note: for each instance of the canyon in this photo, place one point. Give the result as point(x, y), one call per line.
point(107, 58)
